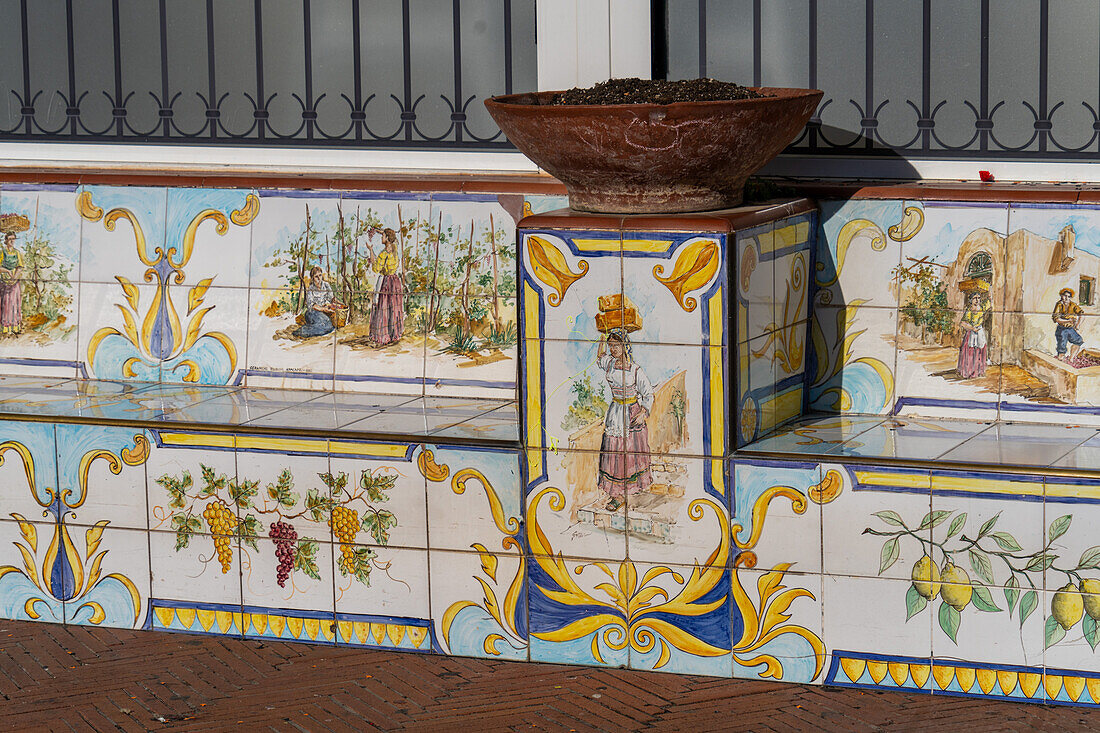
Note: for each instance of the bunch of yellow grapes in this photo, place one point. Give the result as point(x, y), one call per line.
point(222, 523)
point(345, 525)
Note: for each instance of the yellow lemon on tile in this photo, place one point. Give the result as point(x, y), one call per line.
point(956, 589)
point(1091, 588)
point(926, 577)
point(1067, 606)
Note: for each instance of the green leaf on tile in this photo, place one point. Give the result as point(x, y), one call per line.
point(979, 562)
point(1028, 604)
point(1006, 541)
point(1091, 629)
point(1054, 632)
point(983, 600)
point(956, 526)
point(950, 619)
point(1058, 527)
point(914, 602)
point(1012, 593)
point(890, 517)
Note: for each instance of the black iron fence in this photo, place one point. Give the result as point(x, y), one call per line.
point(390, 73)
point(916, 78)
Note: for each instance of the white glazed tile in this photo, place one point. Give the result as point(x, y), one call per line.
point(677, 519)
point(117, 496)
point(192, 477)
point(22, 496)
point(279, 231)
point(800, 661)
point(887, 497)
point(193, 573)
point(125, 555)
point(584, 526)
point(456, 590)
point(397, 368)
point(861, 379)
point(486, 366)
point(787, 535)
point(16, 588)
point(755, 282)
point(104, 308)
point(278, 358)
point(282, 485)
point(107, 254)
point(875, 623)
point(458, 520)
point(854, 239)
point(396, 587)
point(302, 591)
point(391, 490)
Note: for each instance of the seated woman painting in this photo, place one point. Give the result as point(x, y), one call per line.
point(320, 305)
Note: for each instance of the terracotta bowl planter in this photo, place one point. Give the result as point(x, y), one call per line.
point(654, 158)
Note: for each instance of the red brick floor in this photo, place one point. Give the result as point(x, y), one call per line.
point(74, 678)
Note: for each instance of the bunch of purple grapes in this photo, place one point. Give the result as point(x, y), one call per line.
point(286, 547)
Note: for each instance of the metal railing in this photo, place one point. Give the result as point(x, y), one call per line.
point(375, 73)
point(1012, 79)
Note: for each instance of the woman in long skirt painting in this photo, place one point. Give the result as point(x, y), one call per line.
point(975, 342)
point(387, 320)
point(11, 288)
point(624, 453)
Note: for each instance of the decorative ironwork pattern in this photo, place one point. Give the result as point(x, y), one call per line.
point(922, 79)
point(340, 73)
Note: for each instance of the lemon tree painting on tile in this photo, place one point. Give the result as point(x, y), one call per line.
point(997, 561)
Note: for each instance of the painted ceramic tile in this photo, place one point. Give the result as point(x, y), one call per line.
point(111, 344)
point(1085, 455)
point(571, 284)
point(957, 373)
point(221, 246)
point(27, 447)
point(384, 493)
point(793, 249)
point(117, 595)
point(280, 353)
point(566, 503)
point(191, 479)
point(784, 499)
point(792, 649)
point(541, 203)
point(755, 275)
point(39, 298)
point(865, 629)
point(500, 424)
point(991, 551)
point(476, 243)
point(697, 638)
point(473, 495)
point(24, 591)
point(1051, 247)
point(879, 523)
point(216, 358)
point(196, 586)
point(1041, 385)
point(282, 571)
point(395, 589)
point(295, 490)
point(757, 376)
point(122, 228)
point(469, 622)
point(853, 365)
point(676, 285)
point(368, 361)
point(859, 251)
point(102, 470)
point(476, 355)
point(679, 515)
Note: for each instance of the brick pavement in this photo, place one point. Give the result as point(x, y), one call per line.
point(79, 679)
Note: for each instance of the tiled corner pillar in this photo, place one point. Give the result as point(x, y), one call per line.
point(631, 404)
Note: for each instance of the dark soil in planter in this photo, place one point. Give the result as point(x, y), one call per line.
point(655, 91)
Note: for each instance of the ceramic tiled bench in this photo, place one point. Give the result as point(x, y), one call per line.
point(745, 443)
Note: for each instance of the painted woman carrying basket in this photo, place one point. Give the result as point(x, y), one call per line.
point(624, 453)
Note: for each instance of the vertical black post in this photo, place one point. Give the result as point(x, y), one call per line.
point(507, 46)
point(658, 39)
point(261, 113)
point(984, 123)
point(165, 102)
point(811, 75)
point(457, 116)
point(869, 73)
point(926, 76)
point(27, 109)
point(309, 113)
point(407, 114)
point(357, 71)
point(212, 88)
point(73, 110)
point(702, 39)
point(1044, 73)
point(757, 42)
point(117, 111)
